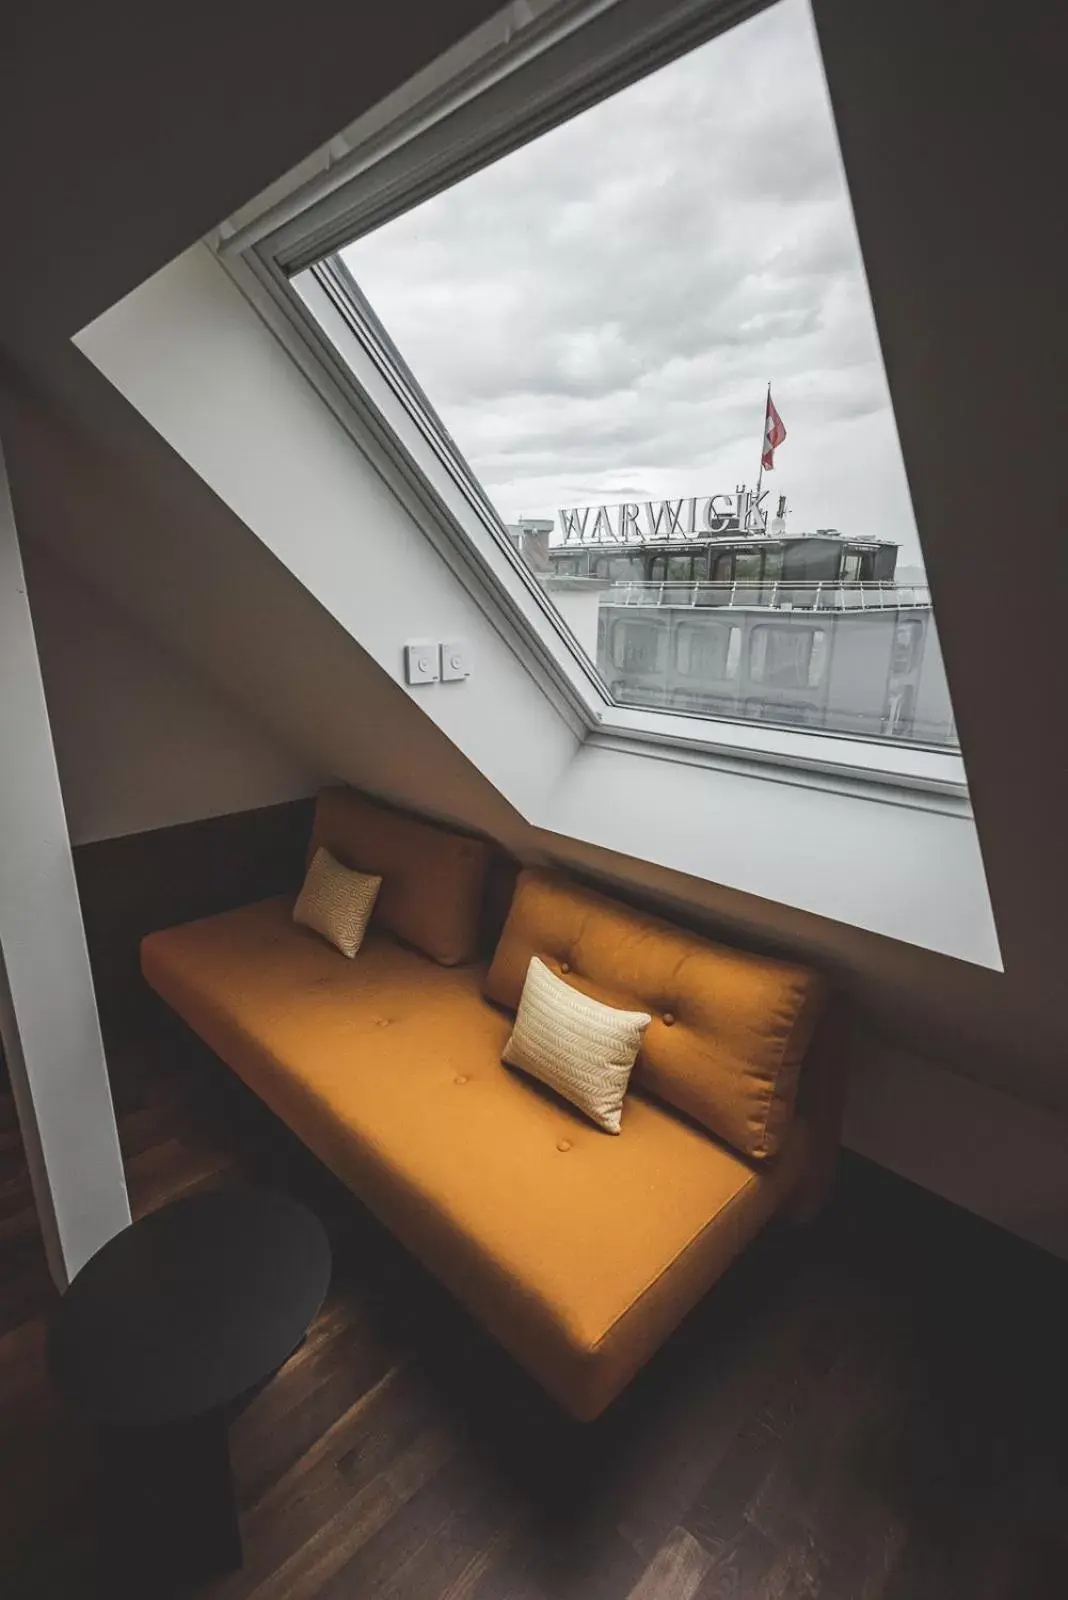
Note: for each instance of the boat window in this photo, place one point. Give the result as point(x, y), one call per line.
point(906, 650)
point(812, 561)
point(900, 710)
point(617, 568)
point(747, 570)
point(680, 569)
point(791, 656)
point(639, 647)
point(708, 650)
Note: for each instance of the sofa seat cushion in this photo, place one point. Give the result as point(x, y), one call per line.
point(579, 1252)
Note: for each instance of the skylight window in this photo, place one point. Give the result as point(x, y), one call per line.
point(647, 333)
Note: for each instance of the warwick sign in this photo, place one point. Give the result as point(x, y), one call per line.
point(653, 521)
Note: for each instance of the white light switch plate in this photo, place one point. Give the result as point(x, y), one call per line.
point(455, 660)
point(421, 661)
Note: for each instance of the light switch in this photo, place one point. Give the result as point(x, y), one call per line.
point(455, 661)
point(421, 662)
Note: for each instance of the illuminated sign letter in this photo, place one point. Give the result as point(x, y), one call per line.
point(654, 519)
point(667, 517)
point(628, 522)
point(715, 519)
point(574, 528)
point(674, 513)
point(602, 528)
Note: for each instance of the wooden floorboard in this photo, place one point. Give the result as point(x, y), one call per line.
point(871, 1409)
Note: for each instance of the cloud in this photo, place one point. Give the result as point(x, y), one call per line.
point(604, 306)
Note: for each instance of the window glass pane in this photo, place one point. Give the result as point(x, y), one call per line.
point(616, 568)
point(817, 659)
point(594, 318)
point(907, 644)
point(707, 651)
point(791, 656)
point(639, 647)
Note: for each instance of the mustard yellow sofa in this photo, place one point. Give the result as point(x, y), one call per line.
point(578, 1250)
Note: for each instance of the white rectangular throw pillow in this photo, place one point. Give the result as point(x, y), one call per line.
point(337, 902)
point(581, 1048)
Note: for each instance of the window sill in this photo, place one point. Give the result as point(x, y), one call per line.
point(900, 863)
point(869, 769)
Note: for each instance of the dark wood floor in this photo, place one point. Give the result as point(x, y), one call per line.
point(872, 1408)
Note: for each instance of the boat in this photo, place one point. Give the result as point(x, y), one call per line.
point(808, 630)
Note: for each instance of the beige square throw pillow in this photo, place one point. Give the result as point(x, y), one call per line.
point(337, 902)
point(579, 1047)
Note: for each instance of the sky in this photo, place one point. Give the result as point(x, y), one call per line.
point(597, 315)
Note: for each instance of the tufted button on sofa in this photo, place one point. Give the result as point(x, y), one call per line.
point(582, 1266)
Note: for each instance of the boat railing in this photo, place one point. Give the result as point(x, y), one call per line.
point(775, 595)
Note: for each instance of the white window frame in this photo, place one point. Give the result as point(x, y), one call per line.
point(534, 65)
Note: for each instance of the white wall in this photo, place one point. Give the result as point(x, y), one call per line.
point(191, 354)
point(975, 1146)
point(48, 1019)
point(118, 513)
point(906, 873)
point(142, 741)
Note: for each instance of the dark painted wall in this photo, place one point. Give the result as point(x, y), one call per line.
point(130, 129)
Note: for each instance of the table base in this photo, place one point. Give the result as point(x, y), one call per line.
point(167, 1510)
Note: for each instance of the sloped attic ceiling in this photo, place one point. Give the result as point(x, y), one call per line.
point(188, 350)
point(135, 523)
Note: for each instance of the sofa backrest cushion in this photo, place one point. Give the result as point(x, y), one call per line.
point(432, 880)
point(729, 1029)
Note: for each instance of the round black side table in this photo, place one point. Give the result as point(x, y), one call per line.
point(177, 1318)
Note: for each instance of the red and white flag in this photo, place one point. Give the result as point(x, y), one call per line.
point(774, 434)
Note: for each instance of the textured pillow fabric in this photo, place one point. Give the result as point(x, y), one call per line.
point(730, 1030)
point(579, 1047)
point(336, 902)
